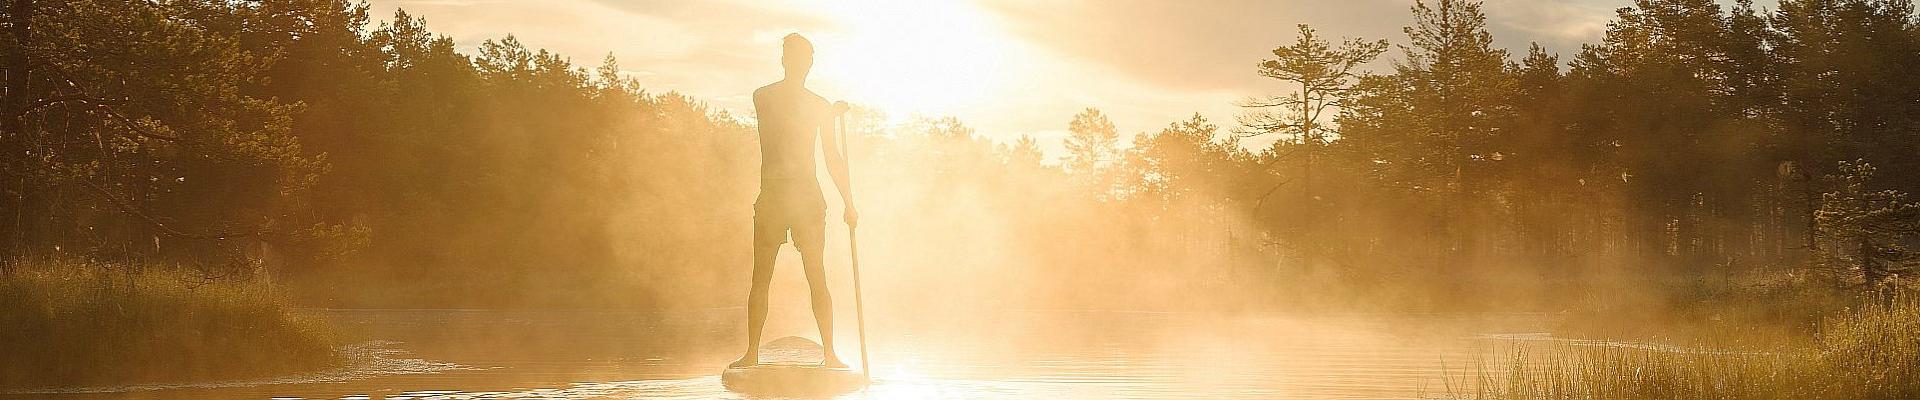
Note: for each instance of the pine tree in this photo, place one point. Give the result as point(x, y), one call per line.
point(1326, 76)
point(1863, 232)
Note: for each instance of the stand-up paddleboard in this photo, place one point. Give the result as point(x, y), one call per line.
point(790, 366)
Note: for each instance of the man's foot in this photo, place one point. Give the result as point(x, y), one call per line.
point(832, 362)
point(751, 359)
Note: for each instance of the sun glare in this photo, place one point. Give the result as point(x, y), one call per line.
point(905, 58)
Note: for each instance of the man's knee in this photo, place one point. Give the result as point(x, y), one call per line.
point(765, 250)
point(813, 260)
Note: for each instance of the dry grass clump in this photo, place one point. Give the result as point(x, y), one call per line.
point(1868, 352)
point(68, 323)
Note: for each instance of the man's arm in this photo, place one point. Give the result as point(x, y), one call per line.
point(837, 162)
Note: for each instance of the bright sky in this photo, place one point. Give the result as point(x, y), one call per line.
point(1005, 67)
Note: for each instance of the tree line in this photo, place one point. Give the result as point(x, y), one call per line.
point(230, 135)
point(1692, 141)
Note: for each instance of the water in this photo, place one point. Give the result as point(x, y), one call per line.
point(456, 354)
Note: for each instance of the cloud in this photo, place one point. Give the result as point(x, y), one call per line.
point(1186, 46)
point(1561, 26)
point(1214, 45)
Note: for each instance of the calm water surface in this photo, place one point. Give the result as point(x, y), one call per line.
point(455, 354)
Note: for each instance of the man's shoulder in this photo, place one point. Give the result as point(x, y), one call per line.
point(765, 91)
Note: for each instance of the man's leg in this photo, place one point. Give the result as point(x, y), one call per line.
point(765, 249)
point(811, 240)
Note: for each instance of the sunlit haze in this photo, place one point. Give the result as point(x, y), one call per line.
point(1007, 68)
point(1018, 199)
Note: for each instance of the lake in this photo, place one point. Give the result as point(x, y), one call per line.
point(1036, 354)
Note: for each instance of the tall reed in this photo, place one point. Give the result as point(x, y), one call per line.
point(67, 323)
point(1869, 352)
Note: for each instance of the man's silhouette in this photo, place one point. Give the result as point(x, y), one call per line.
point(791, 119)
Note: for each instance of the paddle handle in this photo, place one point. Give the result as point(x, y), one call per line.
point(859, 308)
point(853, 250)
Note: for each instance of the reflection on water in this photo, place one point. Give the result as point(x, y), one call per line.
point(364, 360)
point(1026, 354)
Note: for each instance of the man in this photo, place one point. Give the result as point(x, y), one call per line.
point(792, 119)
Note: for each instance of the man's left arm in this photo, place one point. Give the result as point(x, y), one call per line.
point(837, 162)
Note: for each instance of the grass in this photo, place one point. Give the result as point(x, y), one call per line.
point(1871, 351)
point(78, 324)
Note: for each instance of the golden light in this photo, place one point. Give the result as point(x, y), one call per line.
point(913, 57)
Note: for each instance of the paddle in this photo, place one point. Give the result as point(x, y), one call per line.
point(853, 250)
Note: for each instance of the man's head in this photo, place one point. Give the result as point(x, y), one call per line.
point(796, 54)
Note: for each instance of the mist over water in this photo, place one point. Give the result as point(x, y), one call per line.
point(300, 199)
point(1006, 354)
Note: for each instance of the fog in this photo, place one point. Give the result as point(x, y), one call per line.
point(184, 184)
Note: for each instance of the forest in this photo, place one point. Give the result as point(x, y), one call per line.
point(1698, 153)
point(1695, 145)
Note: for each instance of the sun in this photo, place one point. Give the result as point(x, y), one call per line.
point(914, 57)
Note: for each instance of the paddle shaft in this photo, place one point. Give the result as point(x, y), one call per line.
point(853, 250)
